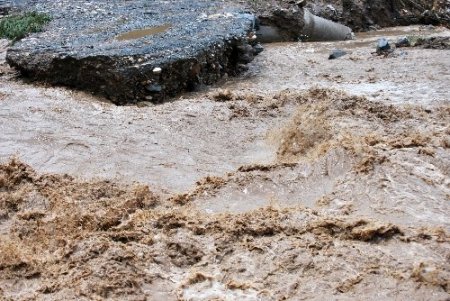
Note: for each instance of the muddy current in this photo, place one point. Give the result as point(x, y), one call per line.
point(304, 179)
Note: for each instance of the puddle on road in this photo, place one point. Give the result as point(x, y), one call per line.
point(140, 33)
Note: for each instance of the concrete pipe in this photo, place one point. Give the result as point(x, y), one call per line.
point(314, 29)
point(269, 34)
point(320, 29)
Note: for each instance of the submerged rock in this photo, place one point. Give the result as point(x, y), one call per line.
point(403, 42)
point(336, 53)
point(136, 50)
point(383, 46)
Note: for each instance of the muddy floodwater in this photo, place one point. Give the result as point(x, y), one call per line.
point(303, 179)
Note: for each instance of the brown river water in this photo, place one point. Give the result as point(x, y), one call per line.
point(303, 179)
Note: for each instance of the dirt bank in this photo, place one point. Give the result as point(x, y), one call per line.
point(362, 15)
point(307, 178)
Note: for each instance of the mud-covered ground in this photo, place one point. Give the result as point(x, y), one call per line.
point(306, 178)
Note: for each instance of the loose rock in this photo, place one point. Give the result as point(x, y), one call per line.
point(403, 42)
point(383, 46)
point(257, 49)
point(157, 70)
point(336, 53)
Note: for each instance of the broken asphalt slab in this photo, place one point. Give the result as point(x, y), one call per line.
point(137, 50)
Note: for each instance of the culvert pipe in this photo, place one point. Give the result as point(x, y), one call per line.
point(320, 29)
point(314, 29)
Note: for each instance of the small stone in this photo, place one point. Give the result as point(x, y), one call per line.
point(245, 48)
point(246, 58)
point(242, 67)
point(157, 70)
point(143, 104)
point(383, 46)
point(336, 53)
point(154, 88)
point(257, 49)
point(403, 42)
point(331, 8)
point(301, 3)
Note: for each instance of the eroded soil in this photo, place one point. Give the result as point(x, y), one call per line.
point(307, 178)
